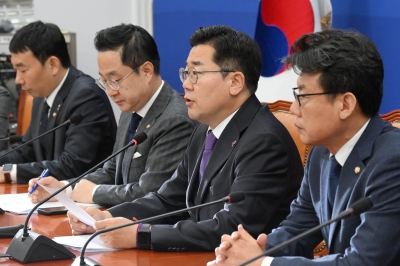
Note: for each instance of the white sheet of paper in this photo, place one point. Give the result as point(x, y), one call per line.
point(21, 204)
point(77, 242)
point(71, 205)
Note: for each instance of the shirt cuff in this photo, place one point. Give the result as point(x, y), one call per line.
point(68, 190)
point(267, 261)
point(13, 173)
point(94, 191)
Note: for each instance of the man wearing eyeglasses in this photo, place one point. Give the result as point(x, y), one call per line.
point(239, 146)
point(43, 68)
point(129, 67)
point(356, 154)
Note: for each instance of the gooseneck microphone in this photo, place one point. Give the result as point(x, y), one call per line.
point(74, 119)
point(32, 247)
point(356, 208)
point(232, 198)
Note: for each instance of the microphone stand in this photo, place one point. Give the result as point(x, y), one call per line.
point(233, 198)
point(31, 247)
point(75, 118)
point(358, 207)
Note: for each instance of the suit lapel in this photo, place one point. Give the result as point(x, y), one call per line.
point(228, 141)
point(122, 133)
point(56, 107)
point(348, 177)
point(147, 123)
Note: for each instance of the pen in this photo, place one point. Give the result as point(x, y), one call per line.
point(45, 173)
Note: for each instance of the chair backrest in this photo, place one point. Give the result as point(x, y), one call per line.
point(281, 110)
point(24, 112)
point(392, 117)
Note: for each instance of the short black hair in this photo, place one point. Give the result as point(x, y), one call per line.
point(348, 62)
point(138, 46)
point(44, 40)
point(234, 50)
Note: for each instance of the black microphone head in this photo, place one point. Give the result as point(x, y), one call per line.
point(15, 138)
point(361, 206)
point(236, 197)
point(139, 138)
point(75, 118)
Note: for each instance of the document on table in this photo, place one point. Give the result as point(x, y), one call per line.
point(21, 204)
point(77, 242)
point(72, 206)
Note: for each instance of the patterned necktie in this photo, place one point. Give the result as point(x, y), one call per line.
point(208, 148)
point(334, 174)
point(43, 123)
point(135, 120)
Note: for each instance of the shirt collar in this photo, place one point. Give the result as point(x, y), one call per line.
point(217, 131)
point(142, 112)
point(344, 152)
point(53, 94)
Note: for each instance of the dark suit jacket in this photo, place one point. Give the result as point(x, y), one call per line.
point(5, 106)
point(369, 239)
point(73, 149)
point(254, 154)
point(168, 128)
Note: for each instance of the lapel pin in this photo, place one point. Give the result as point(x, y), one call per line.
point(234, 143)
point(148, 126)
point(357, 170)
point(54, 114)
point(58, 107)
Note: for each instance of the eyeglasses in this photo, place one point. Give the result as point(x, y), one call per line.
point(298, 96)
point(113, 83)
point(193, 74)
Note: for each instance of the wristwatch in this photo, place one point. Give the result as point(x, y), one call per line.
point(144, 237)
point(6, 172)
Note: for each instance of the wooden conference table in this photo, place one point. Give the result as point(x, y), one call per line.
point(57, 225)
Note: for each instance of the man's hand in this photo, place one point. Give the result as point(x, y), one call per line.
point(120, 238)
point(39, 194)
point(238, 248)
point(2, 179)
point(79, 228)
point(83, 191)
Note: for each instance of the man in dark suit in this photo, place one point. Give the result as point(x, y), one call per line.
point(43, 69)
point(129, 66)
point(240, 146)
point(356, 155)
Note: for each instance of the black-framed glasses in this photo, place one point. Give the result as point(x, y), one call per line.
point(113, 84)
point(193, 74)
point(298, 96)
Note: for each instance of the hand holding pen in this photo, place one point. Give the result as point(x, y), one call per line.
point(45, 173)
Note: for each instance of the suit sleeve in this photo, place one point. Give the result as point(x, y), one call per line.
point(83, 143)
point(168, 143)
point(4, 112)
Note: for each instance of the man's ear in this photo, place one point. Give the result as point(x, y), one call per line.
point(148, 69)
point(237, 83)
point(54, 64)
point(348, 105)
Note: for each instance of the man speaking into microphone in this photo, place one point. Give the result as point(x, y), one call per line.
point(43, 69)
point(356, 154)
point(239, 146)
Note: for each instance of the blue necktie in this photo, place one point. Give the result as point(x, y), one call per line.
point(208, 148)
point(334, 174)
point(135, 120)
point(43, 123)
